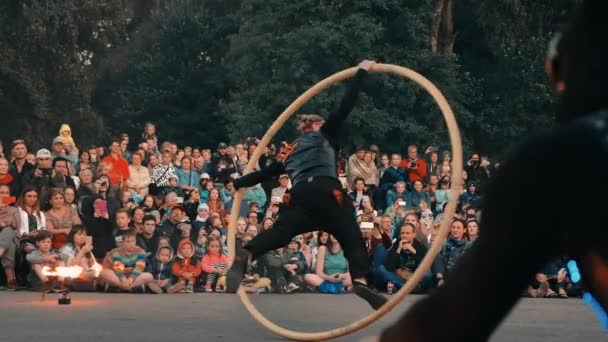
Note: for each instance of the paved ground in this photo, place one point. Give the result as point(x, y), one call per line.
point(219, 317)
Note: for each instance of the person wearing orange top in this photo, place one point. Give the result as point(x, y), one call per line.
point(120, 168)
point(416, 167)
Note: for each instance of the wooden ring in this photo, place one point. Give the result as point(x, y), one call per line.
point(425, 265)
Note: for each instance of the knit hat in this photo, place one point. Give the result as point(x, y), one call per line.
point(58, 140)
point(202, 206)
point(205, 176)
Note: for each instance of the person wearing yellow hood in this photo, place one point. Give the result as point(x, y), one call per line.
point(65, 133)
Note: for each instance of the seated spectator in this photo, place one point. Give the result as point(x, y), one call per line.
point(138, 219)
point(452, 249)
point(278, 267)
point(123, 225)
point(186, 267)
point(192, 203)
point(442, 195)
point(331, 272)
point(322, 239)
point(6, 178)
point(388, 180)
point(148, 238)
point(60, 218)
point(160, 267)
point(358, 192)
point(40, 257)
point(396, 211)
point(77, 252)
point(399, 190)
point(188, 177)
point(414, 197)
point(9, 222)
point(215, 266)
point(253, 282)
point(367, 207)
point(472, 230)
point(215, 202)
point(227, 194)
point(161, 174)
point(32, 218)
point(139, 176)
point(123, 267)
point(176, 227)
point(119, 170)
point(402, 260)
point(267, 223)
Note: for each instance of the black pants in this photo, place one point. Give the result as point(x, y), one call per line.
point(537, 208)
point(315, 206)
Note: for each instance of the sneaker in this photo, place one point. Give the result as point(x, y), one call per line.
point(189, 288)
point(208, 289)
point(234, 277)
point(291, 287)
point(373, 298)
point(155, 288)
point(265, 289)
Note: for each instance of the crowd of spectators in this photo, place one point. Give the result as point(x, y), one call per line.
point(155, 217)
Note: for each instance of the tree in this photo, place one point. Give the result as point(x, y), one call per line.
point(282, 48)
point(48, 50)
point(173, 76)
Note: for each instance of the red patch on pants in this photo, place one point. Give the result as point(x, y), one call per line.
point(286, 198)
point(338, 196)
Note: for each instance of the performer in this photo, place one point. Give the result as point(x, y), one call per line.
point(316, 200)
point(490, 277)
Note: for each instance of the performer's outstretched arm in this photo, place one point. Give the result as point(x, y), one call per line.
point(331, 126)
point(258, 177)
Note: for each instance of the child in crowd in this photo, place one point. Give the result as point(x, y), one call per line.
point(123, 267)
point(186, 267)
point(215, 265)
point(40, 257)
point(123, 219)
point(161, 269)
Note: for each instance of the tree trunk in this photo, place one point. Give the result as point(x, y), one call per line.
point(442, 32)
point(436, 23)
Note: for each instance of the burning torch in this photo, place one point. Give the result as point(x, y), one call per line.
point(56, 274)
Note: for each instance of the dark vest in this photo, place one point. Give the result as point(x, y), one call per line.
point(313, 156)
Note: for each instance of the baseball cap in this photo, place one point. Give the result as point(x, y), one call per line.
point(57, 140)
point(284, 176)
point(374, 148)
point(310, 117)
point(202, 206)
point(43, 154)
point(205, 176)
point(177, 206)
point(222, 145)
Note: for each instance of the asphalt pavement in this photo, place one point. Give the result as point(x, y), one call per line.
point(100, 317)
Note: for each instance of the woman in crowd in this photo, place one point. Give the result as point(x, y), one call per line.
point(331, 267)
point(139, 176)
point(78, 252)
point(472, 230)
point(6, 178)
point(60, 218)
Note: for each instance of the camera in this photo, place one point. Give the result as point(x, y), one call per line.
point(401, 203)
point(104, 183)
point(412, 164)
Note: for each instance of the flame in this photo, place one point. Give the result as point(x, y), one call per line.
point(62, 271)
point(96, 269)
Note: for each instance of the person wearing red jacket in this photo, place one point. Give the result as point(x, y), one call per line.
point(120, 168)
point(416, 167)
point(185, 266)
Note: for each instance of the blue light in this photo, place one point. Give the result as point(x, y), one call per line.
point(575, 277)
point(597, 309)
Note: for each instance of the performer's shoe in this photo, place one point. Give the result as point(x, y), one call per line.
point(375, 299)
point(234, 277)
